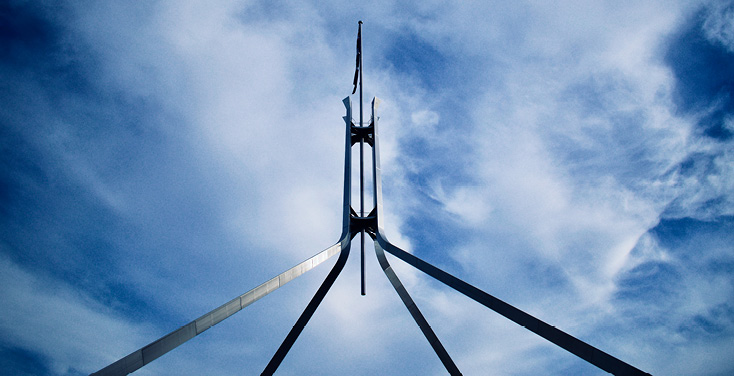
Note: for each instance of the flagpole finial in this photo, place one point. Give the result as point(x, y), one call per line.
point(360, 22)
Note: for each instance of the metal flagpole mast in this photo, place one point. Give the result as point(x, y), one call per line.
point(372, 225)
point(362, 224)
point(361, 157)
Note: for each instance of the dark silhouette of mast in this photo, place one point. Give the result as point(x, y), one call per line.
point(371, 225)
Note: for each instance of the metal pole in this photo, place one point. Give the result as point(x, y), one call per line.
point(361, 160)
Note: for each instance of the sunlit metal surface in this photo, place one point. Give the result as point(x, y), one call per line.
point(300, 324)
point(345, 242)
point(170, 341)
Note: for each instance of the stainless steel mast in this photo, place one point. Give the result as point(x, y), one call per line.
point(372, 225)
point(361, 156)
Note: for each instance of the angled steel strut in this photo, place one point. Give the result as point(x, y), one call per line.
point(170, 341)
point(371, 224)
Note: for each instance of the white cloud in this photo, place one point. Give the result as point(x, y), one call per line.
point(425, 118)
point(572, 149)
point(719, 23)
point(49, 317)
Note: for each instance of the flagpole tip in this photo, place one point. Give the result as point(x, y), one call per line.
point(360, 22)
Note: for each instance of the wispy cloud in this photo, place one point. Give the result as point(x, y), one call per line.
point(573, 159)
point(56, 320)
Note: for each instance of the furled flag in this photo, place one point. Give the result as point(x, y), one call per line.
point(359, 57)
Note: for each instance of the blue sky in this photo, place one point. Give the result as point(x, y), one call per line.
point(574, 159)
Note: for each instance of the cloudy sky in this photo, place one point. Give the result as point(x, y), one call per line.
point(573, 158)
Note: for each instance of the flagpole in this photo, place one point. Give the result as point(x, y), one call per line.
point(361, 157)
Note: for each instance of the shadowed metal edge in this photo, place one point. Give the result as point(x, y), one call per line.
point(416, 313)
point(345, 242)
point(375, 232)
point(558, 337)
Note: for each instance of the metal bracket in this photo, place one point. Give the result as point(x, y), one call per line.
point(367, 224)
point(365, 134)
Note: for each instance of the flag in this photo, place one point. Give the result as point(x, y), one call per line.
point(359, 57)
